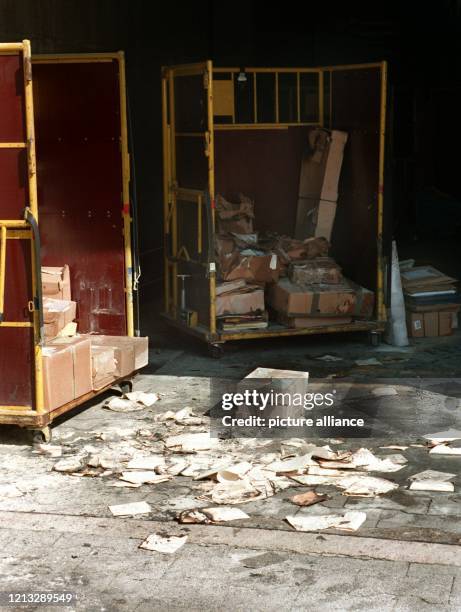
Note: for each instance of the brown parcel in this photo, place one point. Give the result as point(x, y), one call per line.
point(430, 324)
point(254, 268)
point(103, 366)
point(318, 183)
point(326, 300)
point(66, 370)
point(56, 315)
point(319, 270)
point(236, 218)
point(307, 322)
point(56, 282)
point(240, 301)
point(124, 352)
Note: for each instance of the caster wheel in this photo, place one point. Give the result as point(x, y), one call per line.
point(374, 338)
point(216, 351)
point(126, 386)
point(42, 435)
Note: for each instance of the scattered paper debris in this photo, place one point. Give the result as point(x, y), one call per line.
point(450, 435)
point(372, 361)
point(48, 449)
point(163, 544)
point(329, 358)
point(395, 447)
point(119, 404)
point(146, 463)
point(8, 491)
point(238, 492)
point(224, 513)
point(124, 484)
point(193, 517)
point(365, 486)
point(146, 399)
point(432, 485)
point(69, 465)
point(191, 442)
point(350, 521)
point(233, 472)
point(130, 509)
point(140, 477)
point(432, 475)
point(308, 499)
point(445, 449)
point(293, 464)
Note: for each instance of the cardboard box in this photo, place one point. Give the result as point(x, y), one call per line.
point(66, 370)
point(241, 301)
point(253, 268)
point(325, 300)
point(56, 282)
point(139, 344)
point(318, 183)
point(124, 353)
point(234, 217)
point(103, 365)
point(57, 314)
point(322, 270)
point(430, 324)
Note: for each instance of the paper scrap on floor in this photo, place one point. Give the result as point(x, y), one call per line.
point(450, 435)
point(308, 499)
point(130, 509)
point(432, 480)
point(350, 521)
point(365, 486)
point(163, 544)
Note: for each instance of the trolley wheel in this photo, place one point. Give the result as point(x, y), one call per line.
point(42, 435)
point(374, 338)
point(216, 351)
point(126, 386)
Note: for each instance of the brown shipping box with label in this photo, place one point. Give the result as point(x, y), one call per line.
point(325, 300)
point(57, 314)
point(318, 183)
point(66, 370)
point(430, 324)
point(240, 302)
point(56, 282)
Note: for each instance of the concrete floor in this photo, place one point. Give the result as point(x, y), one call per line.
point(57, 533)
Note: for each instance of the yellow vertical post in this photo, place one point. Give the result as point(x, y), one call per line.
point(173, 184)
point(233, 97)
point(211, 187)
point(381, 310)
point(2, 270)
point(126, 196)
point(33, 205)
point(277, 114)
point(255, 98)
point(166, 189)
point(298, 96)
point(321, 99)
point(199, 225)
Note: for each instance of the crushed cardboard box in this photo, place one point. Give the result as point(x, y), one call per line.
point(56, 282)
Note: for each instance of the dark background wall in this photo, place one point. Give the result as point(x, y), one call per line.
point(421, 41)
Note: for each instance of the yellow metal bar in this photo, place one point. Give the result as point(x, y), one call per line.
point(16, 324)
point(33, 206)
point(11, 47)
point(223, 127)
point(186, 69)
point(255, 99)
point(30, 129)
point(166, 189)
point(173, 211)
point(60, 58)
point(211, 187)
point(298, 96)
point(199, 225)
point(381, 309)
point(321, 99)
point(126, 196)
point(14, 223)
point(234, 69)
point(13, 234)
point(13, 145)
point(189, 195)
point(277, 97)
point(191, 134)
point(2, 270)
point(16, 408)
point(233, 94)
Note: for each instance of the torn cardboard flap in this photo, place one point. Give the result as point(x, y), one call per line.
point(56, 282)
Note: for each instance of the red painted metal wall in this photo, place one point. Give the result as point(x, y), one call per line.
point(77, 122)
point(16, 344)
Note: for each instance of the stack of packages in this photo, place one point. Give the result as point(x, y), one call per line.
point(317, 294)
point(242, 266)
point(73, 364)
point(303, 285)
point(431, 301)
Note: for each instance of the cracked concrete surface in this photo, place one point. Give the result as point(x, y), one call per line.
point(60, 535)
